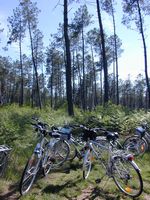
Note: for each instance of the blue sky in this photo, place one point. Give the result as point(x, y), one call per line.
point(131, 61)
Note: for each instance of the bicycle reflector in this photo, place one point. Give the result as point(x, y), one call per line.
point(128, 189)
point(142, 147)
point(130, 157)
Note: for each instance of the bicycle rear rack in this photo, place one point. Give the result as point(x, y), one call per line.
point(4, 148)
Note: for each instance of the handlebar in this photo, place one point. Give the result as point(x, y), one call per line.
point(88, 129)
point(43, 124)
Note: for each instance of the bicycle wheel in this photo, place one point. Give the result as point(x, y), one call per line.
point(87, 164)
point(47, 161)
point(127, 177)
point(3, 163)
point(60, 152)
point(29, 174)
point(135, 145)
point(72, 152)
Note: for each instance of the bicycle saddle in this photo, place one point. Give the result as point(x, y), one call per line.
point(65, 132)
point(88, 134)
point(112, 136)
point(140, 131)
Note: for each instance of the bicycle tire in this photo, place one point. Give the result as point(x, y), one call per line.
point(135, 145)
point(61, 152)
point(29, 174)
point(87, 164)
point(72, 153)
point(127, 177)
point(47, 162)
point(3, 162)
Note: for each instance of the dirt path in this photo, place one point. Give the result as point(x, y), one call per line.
point(90, 193)
point(10, 193)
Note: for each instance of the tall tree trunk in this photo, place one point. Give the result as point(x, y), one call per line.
point(94, 77)
point(145, 52)
point(83, 65)
point(80, 79)
point(106, 87)
point(73, 76)
point(21, 100)
point(35, 69)
point(68, 61)
point(116, 55)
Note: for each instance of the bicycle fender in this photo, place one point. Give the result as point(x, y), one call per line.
point(135, 165)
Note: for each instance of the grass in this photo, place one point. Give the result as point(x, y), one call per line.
point(66, 183)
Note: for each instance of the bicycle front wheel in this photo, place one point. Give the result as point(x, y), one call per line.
point(127, 177)
point(87, 164)
point(47, 161)
point(29, 174)
point(135, 145)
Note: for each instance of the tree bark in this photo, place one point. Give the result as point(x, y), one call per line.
point(106, 87)
point(145, 52)
point(68, 61)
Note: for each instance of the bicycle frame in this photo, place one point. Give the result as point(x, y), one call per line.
point(112, 151)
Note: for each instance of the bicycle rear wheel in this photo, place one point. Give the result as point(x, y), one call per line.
point(73, 153)
point(127, 177)
point(29, 174)
point(87, 164)
point(3, 163)
point(135, 145)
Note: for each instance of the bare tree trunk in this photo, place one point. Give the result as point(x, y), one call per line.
point(106, 87)
point(21, 100)
point(94, 76)
point(80, 80)
point(68, 61)
point(116, 58)
point(145, 53)
point(35, 69)
point(83, 65)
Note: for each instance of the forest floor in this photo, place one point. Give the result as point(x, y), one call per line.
point(67, 183)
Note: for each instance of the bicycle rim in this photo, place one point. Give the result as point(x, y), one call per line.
point(87, 164)
point(29, 174)
point(61, 152)
point(47, 162)
point(3, 163)
point(127, 177)
point(135, 145)
point(72, 152)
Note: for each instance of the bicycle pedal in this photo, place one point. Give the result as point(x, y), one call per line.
point(98, 180)
point(52, 160)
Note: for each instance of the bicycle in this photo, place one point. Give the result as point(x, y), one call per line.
point(75, 144)
point(45, 154)
point(4, 154)
point(118, 165)
point(138, 143)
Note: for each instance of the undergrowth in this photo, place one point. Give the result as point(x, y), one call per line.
point(16, 131)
